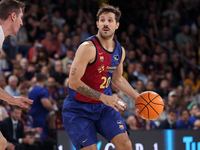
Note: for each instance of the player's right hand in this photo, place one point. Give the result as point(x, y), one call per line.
point(112, 101)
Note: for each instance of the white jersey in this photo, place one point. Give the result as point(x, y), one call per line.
point(2, 37)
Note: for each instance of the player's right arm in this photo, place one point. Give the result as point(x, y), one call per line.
point(86, 54)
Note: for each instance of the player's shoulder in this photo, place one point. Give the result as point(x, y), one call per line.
point(86, 47)
point(88, 44)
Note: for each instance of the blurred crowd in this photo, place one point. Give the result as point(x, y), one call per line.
point(160, 38)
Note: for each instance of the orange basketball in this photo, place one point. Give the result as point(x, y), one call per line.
point(149, 105)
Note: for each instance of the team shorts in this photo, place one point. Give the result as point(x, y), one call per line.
point(83, 120)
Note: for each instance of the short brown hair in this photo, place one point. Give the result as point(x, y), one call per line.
point(15, 107)
point(105, 8)
point(41, 77)
point(9, 6)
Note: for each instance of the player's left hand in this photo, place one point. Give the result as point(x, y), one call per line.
point(20, 101)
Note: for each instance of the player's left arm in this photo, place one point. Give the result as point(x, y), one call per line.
point(20, 101)
point(121, 83)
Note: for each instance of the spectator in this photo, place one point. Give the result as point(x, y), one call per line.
point(183, 36)
point(32, 27)
point(139, 86)
point(180, 95)
point(164, 61)
point(142, 44)
point(172, 102)
point(193, 81)
point(57, 19)
point(41, 106)
point(163, 89)
point(55, 120)
point(81, 16)
point(172, 82)
point(32, 83)
point(27, 122)
point(131, 77)
point(68, 67)
point(68, 43)
point(35, 132)
point(194, 115)
point(61, 39)
point(84, 34)
point(131, 57)
point(195, 25)
point(23, 87)
point(13, 130)
point(45, 70)
point(155, 66)
point(165, 35)
point(18, 72)
point(145, 63)
point(52, 90)
point(58, 73)
point(172, 14)
point(30, 71)
point(23, 41)
point(2, 82)
point(63, 90)
point(150, 86)
point(184, 122)
point(187, 94)
point(42, 58)
point(55, 30)
point(66, 30)
point(3, 62)
point(51, 45)
point(12, 86)
point(134, 122)
point(69, 56)
point(70, 17)
point(177, 69)
point(24, 63)
point(33, 51)
point(132, 33)
point(170, 122)
point(138, 73)
point(75, 42)
point(188, 50)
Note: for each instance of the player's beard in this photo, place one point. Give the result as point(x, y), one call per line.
point(106, 36)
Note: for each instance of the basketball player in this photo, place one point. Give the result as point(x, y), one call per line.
point(11, 12)
point(90, 106)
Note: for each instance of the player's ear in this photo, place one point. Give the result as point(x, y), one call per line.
point(13, 16)
point(97, 23)
point(117, 25)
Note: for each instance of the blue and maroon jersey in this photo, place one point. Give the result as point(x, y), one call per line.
point(98, 74)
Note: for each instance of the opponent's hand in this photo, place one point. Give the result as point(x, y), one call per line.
point(114, 102)
point(20, 101)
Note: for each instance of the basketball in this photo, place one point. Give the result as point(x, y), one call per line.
point(149, 105)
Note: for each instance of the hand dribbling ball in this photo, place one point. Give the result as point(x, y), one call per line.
point(149, 105)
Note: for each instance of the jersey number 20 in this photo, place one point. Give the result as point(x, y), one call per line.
point(106, 82)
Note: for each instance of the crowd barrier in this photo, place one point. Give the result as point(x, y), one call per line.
point(145, 140)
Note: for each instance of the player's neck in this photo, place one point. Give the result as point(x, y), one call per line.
point(107, 43)
point(40, 84)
